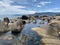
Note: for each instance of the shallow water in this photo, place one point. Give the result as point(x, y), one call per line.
point(28, 37)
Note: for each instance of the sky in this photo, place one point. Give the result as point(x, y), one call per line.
point(28, 6)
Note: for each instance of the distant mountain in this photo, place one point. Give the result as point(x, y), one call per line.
point(47, 13)
point(41, 13)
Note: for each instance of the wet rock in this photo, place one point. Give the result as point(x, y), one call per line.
point(34, 21)
point(42, 22)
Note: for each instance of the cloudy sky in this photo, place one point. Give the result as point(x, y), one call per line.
point(28, 6)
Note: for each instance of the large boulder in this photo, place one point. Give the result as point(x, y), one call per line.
point(54, 27)
point(24, 17)
point(13, 20)
point(16, 26)
point(3, 27)
point(57, 17)
point(6, 20)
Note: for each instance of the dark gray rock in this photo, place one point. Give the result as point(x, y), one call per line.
point(24, 17)
point(6, 20)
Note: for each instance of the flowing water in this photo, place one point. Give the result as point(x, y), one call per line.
point(26, 37)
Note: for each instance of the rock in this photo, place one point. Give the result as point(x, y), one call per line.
point(16, 26)
point(32, 18)
point(49, 19)
point(24, 17)
point(47, 31)
point(42, 22)
point(3, 27)
point(24, 22)
point(40, 31)
point(46, 38)
point(13, 20)
point(6, 20)
point(7, 38)
point(16, 43)
point(57, 17)
point(36, 16)
point(22, 38)
point(34, 21)
point(54, 27)
point(50, 41)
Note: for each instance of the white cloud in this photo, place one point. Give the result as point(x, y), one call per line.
point(43, 4)
point(39, 6)
point(56, 8)
point(18, 7)
point(21, 1)
point(51, 10)
point(7, 8)
point(35, 0)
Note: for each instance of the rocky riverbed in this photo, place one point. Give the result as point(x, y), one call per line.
point(14, 35)
point(26, 37)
